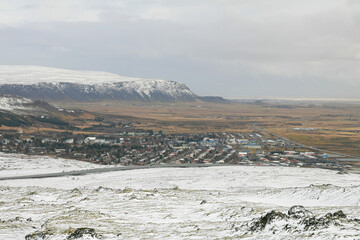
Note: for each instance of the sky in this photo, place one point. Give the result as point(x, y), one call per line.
point(232, 48)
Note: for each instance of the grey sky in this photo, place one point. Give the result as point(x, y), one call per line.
point(246, 48)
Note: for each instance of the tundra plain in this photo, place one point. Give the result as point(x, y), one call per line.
point(330, 125)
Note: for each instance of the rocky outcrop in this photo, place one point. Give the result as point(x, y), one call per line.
point(326, 221)
point(265, 220)
point(83, 232)
point(39, 235)
point(298, 219)
point(78, 233)
point(299, 211)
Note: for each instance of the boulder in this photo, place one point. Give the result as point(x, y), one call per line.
point(263, 221)
point(299, 211)
point(339, 214)
point(83, 232)
point(39, 235)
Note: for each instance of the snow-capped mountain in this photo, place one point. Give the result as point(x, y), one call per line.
point(59, 84)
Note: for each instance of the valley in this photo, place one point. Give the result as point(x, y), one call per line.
point(106, 118)
point(329, 125)
point(95, 151)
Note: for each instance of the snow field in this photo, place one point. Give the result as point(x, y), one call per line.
point(185, 203)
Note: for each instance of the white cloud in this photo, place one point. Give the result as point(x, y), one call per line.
point(59, 48)
point(236, 42)
point(160, 13)
point(16, 13)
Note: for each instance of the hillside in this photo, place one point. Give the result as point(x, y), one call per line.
point(235, 202)
point(24, 106)
point(18, 111)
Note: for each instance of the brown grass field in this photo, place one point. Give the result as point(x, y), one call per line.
point(336, 125)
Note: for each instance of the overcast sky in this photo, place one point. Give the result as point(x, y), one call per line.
point(245, 48)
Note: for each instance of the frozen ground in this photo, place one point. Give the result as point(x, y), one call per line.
point(189, 203)
point(19, 165)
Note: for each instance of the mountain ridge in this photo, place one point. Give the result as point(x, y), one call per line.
point(54, 84)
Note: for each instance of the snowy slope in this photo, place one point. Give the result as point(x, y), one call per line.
point(189, 203)
point(24, 106)
point(20, 165)
point(60, 84)
point(13, 103)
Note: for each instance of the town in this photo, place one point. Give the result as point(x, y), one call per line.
point(146, 147)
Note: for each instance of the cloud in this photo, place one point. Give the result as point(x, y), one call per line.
point(220, 47)
point(17, 13)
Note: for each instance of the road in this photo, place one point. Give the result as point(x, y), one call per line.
point(110, 169)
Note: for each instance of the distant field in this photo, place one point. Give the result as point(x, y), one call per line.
point(332, 126)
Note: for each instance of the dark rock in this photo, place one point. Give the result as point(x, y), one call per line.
point(261, 223)
point(299, 211)
point(299, 219)
point(339, 214)
point(323, 222)
point(38, 235)
point(82, 232)
point(328, 215)
point(288, 227)
point(314, 223)
point(16, 219)
point(203, 202)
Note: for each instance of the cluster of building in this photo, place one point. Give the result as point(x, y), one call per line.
point(152, 148)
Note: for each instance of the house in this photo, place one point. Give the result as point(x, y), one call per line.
point(60, 150)
point(242, 154)
point(89, 140)
point(100, 141)
point(69, 141)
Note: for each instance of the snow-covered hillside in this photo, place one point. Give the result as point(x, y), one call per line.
point(13, 103)
point(237, 202)
point(60, 84)
point(20, 164)
point(24, 106)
